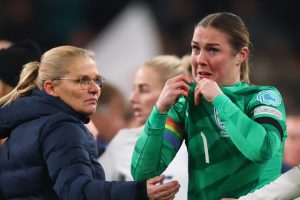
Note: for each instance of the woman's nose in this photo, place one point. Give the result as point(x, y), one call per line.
point(133, 97)
point(201, 58)
point(94, 87)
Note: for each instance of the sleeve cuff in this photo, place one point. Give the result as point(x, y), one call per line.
point(157, 120)
point(142, 191)
point(224, 105)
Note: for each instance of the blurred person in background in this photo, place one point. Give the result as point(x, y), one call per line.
point(49, 148)
point(110, 115)
point(291, 154)
point(12, 59)
point(5, 44)
point(147, 85)
point(234, 130)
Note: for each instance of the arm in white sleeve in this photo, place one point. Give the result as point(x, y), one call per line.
point(285, 187)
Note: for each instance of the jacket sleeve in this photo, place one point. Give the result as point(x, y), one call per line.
point(285, 187)
point(152, 153)
point(74, 175)
point(258, 138)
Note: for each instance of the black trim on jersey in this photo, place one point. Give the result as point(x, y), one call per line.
point(271, 121)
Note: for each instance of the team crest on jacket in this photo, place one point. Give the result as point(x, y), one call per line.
point(223, 132)
point(269, 97)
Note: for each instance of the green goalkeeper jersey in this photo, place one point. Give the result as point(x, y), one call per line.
point(235, 143)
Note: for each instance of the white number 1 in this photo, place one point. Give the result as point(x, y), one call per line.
point(205, 147)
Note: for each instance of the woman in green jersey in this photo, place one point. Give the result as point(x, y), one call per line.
point(234, 131)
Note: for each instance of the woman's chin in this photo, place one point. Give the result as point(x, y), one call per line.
point(89, 112)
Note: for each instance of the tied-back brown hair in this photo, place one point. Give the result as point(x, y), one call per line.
point(238, 35)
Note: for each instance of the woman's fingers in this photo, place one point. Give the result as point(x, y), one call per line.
point(156, 179)
point(173, 89)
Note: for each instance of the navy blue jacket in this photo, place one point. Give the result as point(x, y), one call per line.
point(50, 154)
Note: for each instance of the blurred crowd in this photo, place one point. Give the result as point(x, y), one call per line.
point(164, 27)
point(273, 27)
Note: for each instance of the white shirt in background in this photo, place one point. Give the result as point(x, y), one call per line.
point(116, 161)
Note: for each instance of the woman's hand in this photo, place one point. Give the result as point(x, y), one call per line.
point(165, 191)
point(207, 88)
point(174, 87)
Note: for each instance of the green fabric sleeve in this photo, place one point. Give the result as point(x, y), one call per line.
point(148, 149)
point(257, 142)
point(156, 119)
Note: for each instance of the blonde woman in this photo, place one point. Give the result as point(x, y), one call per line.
point(50, 154)
point(147, 86)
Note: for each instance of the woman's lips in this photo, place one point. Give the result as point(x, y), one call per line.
point(202, 75)
point(92, 101)
point(137, 111)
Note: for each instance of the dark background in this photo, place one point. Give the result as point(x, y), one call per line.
point(273, 25)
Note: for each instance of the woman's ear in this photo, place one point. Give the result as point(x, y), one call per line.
point(243, 55)
point(49, 88)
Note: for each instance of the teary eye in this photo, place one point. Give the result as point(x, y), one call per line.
point(213, 50)
point(195, 48)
